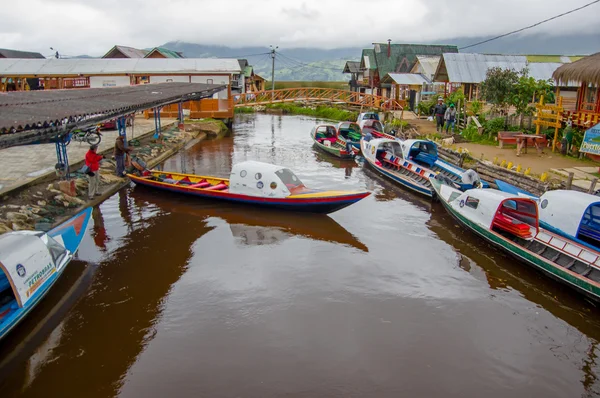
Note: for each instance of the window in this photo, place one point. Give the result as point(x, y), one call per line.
point(288, 178)
point(472, 202)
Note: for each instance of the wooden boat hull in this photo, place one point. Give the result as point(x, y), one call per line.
point(70, 235)
point(563, 275)
point(323, 202)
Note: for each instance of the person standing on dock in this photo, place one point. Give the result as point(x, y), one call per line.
point(120, 152)
point(92, 161)
point(439, 111)
point(450, 117)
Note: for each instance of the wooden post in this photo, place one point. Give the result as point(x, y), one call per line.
point(593, 186)
point(570, 180)
point(539, 111)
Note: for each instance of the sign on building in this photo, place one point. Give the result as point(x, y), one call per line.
point(591, 141)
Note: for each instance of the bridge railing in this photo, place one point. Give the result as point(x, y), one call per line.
point(317, 94)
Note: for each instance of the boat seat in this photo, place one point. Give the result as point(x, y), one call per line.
point(589, 232)
point(218, 187)
point(512, 225)
point(4, 283)
point(425, 158)
point(204, 184)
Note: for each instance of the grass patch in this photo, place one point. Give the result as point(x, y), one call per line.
point(244, 109)
point(324, 112)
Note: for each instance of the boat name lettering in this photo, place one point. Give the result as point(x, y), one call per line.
point(39, 275)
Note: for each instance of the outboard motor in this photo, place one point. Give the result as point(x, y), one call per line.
point(470, 177)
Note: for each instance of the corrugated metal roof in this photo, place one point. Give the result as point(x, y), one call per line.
point(6, 53)
point(165, 52)
point(129, 52)
point(53, 66)
point(472, 68)
point(406, 79)
point(402, 57)
point(32, 115)
point(428, 65)
point(352, 67)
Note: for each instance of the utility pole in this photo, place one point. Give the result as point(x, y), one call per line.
point(273, 50)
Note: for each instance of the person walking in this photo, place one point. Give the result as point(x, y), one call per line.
point(120, 152)
point(92, 161)
point(450, 118)
point(439, 111)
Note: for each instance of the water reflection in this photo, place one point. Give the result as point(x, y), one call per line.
point(254, 227)
point(99, 229)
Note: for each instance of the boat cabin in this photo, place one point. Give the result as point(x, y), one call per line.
point(499, 211)
point(572, 213)
point(366, 116)
point(383, 150)
point(374, 125)
point(27, 260)
point(325, 132)
point(420, 151)
point(264, 179)
point(349, 130)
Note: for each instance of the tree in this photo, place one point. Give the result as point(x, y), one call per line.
point(525, 92)
point(497, 88)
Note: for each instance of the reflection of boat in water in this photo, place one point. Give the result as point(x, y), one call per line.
point(335, 162)
point(255, 183)
point(511, 223)
point(31, 262)
point(263, 228)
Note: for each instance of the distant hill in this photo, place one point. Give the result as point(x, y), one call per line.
point(302, 64)
point(306, 64)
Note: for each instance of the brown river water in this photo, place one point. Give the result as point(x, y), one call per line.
point(176, 297)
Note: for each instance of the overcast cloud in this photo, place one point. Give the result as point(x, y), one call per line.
point(93, 26)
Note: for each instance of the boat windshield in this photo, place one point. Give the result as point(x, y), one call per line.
point(57, 251)
point(290, 179)
point(589, 229)
point(371, 116)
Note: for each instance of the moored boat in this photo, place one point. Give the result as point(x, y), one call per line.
point(325, 137)
point(376, 129)
point(425, 153)
point(253, 183)
point(31, 262)
point(511, 222)
point(350, 133)
point(572, 214)
point(365, 117)
point(387, 157)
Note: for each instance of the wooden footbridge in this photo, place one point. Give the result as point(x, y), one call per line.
point(318, 94)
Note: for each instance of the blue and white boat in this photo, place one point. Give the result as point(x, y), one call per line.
point(402, 162)
point(572, 214)
point(424, 152)
point(31, 262)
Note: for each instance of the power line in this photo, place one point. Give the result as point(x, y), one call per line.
point(252, 55)
point(302, 64)
point(531, 26)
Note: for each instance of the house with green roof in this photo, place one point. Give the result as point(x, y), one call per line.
point(161, 52)
point(401, 58)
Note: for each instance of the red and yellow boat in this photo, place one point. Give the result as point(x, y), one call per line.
point(253, 183)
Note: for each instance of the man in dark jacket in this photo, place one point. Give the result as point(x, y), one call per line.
point(120, 151)
point(438, 112)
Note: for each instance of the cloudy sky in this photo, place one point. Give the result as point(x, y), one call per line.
point(93, 26)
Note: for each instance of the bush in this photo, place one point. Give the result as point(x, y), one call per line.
point(491, 127)
point(426, 107)
point(398, 124)
point(476, 107)
point(324, 112)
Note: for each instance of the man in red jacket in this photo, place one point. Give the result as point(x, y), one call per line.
point(92, 161)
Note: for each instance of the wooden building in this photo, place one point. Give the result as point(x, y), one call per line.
point(353, 68)
point(130, 52)
point(586, 73)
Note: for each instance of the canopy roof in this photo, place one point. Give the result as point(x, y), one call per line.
point(112, 66)
point(32, 115)
point(584, 70)
point(564, 209)
point(6, 53)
